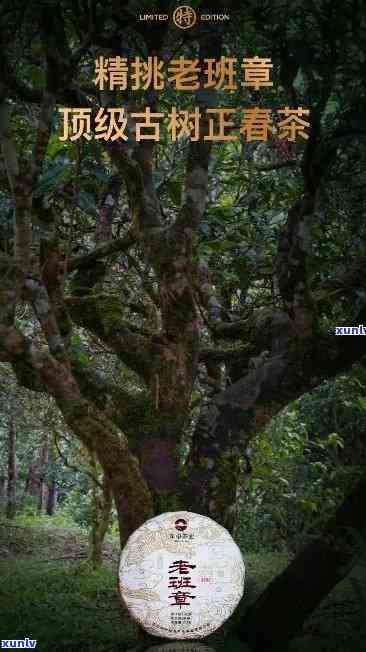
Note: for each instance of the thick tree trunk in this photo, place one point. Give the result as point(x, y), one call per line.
point(223, 431)
point(132, 497)
point(12, 470)
point(229, 421)
point(291, 266)
point(308, 579)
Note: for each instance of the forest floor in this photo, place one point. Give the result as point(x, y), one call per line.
point(49, 592)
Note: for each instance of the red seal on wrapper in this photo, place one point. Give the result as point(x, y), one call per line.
point(181, 575)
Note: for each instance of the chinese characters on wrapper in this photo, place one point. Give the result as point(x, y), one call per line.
point(180, 597)
point(181, 575)
point(211, 124)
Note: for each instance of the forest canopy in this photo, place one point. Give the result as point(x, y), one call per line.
point(164, 303)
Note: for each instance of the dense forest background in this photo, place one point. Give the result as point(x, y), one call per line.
point(167, 323)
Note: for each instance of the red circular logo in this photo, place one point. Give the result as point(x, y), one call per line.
point(180, 524)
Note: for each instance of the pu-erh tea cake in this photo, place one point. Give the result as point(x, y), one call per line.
point(181, 575)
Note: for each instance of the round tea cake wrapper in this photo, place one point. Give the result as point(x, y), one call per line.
point(181, 575)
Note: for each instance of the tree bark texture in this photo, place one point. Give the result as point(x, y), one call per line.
point(102, 507)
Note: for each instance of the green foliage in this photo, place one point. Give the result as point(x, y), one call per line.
point(57, 173)
point(76, 607)
point(49, 595)
point(77, 508)
point(30, 517)
point(171, 503)
point(313, 451)
point(303, 468)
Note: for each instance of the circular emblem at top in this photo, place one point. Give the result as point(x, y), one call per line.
point(184, 17)
point(181, 575)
